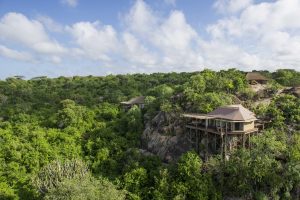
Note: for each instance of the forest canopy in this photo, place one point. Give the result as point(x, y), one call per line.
point(69, 138)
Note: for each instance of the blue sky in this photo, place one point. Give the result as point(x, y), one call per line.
point(76, 37)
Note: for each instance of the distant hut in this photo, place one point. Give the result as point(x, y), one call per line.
point(138, 101)
point(255, 78)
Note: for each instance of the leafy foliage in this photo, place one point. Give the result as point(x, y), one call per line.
point(73, 137)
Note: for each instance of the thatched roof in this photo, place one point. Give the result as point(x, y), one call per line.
point(255, 76)
point(231, 113)
point(135, 100)
point(234, 113)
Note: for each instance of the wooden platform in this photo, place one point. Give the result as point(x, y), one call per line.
point(221, 132)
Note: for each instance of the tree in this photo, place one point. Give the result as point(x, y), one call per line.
point(135, 180)
point(191, 182)
point(6, 192)
point(54, 173)
point(87, 188)
point(72, 180)
point(73, 115)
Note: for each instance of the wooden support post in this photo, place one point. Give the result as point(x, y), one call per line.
point(226, 141)
point(197, 142)
point(215, 147)
point(206, 132)
point(197, 138)
point(225, 147)
point(244, 140)
point(222, 145)
point(249, 141)
point(195, 134)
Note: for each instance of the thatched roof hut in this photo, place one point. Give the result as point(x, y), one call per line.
point(139, 101)
point(134, 101)
point(256, 77)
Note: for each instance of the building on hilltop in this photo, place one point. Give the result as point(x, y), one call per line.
point(255, 78)
point(222, 130)
point(138, 101)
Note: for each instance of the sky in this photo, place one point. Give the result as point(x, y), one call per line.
point(99, 37)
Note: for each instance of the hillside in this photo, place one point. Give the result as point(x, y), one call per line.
point(69, 136)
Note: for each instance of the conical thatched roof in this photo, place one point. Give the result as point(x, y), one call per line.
point(234, 113)
point(255, 76)
point(135, 100)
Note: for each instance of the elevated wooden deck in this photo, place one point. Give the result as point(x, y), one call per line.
point(221, 131)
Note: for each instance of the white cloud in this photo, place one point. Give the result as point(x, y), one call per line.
point(55, 59)
point(175, 38)
point(136, 53)
point(249, 36)
point(13, 54)
point(71, 3)
point(96, 41)
point(50, 24)
point(231, 6)
point(220, 55)
point(260, 19)
point(170, 2)
point(140, 18)
point(172, 37)
point(147, 41)
point(17, 28)
point(174, 33)
point(268, 31)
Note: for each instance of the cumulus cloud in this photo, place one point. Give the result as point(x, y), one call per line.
point(97, 41)
point(248, 36)
point(13, 54)
point(222, 54)
point(148, 41)
point(172, 37)
point(17, 28)
point(231, 6)
point(141, 19)
point(71, 3)
point(136, 53)
point(50, 24)
point(268, 30)
point(170, 2)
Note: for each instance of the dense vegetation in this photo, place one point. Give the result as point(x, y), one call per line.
point(67, 138)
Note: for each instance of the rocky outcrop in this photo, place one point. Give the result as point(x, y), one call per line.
point(164, 136)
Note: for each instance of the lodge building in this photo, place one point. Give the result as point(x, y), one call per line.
point(256, 78)
point(138, 101)
point(222, 130)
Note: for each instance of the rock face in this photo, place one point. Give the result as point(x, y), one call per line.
point(164, 136)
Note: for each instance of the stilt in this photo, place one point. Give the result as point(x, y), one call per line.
point(222, 145)
point(197, 138)
point(206, 132)
point(197, 142)
point(225, 143)
point(206, 145)
point(215, 147)
point(249, 141)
